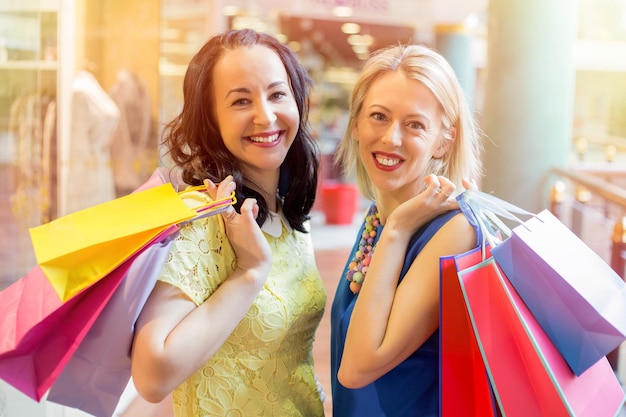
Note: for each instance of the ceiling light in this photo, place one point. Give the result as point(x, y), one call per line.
point(294, 46)
point(360, 49)
point(350, 28)
point(282, 38)
point(367, 40)
point(230, 10)
point(354, 39)
point(342, 11)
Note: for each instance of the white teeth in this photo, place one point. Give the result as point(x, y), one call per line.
point(387, 161)
point(264, 139)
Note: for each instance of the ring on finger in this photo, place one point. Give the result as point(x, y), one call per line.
point(440, 191)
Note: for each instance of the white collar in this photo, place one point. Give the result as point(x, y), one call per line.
point(273, 225)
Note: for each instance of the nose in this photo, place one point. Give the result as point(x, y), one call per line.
point(264, 113)
point(393, 135)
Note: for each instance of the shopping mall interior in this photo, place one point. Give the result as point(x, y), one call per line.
point(546, 81)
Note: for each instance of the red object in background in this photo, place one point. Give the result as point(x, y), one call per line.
point(339, 202)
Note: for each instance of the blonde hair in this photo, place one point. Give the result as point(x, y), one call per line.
point(419, 63)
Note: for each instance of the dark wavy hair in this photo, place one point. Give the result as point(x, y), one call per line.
point(194, 142)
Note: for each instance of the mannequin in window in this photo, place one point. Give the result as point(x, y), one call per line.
point(94, 118)
point(134, 148)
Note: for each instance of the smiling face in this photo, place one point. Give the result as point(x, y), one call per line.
point(256, 111)
point(399, 129)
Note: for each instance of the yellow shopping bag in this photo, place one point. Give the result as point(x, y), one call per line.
point(76, 250)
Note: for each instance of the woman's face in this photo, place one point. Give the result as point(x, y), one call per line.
point(255, 109)
point(399, 129)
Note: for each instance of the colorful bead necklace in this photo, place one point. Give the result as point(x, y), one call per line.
point(357, 269)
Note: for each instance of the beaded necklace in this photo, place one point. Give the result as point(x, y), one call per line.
point(357, 269)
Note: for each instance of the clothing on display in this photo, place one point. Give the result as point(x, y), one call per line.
point(94, 118)
point(134, 148)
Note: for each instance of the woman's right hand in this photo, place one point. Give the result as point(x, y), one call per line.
point(254, 256)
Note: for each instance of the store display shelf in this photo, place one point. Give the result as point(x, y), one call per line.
point(29, 65)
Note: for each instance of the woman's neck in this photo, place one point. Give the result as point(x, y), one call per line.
point(267, 186)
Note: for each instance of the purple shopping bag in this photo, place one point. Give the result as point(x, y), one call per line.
point(99, 370)
point(575, 295)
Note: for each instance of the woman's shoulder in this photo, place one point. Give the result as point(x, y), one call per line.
point(201, 258)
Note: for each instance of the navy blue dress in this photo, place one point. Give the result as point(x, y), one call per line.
point(410, 389)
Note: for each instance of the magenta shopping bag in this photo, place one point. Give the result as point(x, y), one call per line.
point(99, 370)
point(527, 372)
point(39, 333)
point(577, 298)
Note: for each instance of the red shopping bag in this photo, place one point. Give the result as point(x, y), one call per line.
point(528, 374)
point(99, 370)
point(464, 384)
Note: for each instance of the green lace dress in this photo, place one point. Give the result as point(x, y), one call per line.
point(265, 368)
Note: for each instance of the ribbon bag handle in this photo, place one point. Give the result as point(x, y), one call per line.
point(204, 208)
point(488, 211)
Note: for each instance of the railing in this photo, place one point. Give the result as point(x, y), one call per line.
point(593, 192)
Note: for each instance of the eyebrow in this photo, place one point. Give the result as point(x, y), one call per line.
point(420, 115)
point(247, 91)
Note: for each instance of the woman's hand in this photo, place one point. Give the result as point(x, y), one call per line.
point(435, 199)
point(254, 256)
point(470, 184)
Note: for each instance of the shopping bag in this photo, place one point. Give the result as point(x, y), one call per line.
point(578, 299)
point(527, 372)
point(76, 250)
point(464, 384)
point(39, 332)
point(99, 370)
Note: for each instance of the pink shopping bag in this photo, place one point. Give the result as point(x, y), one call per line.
point(38, 332)
point(527, 372)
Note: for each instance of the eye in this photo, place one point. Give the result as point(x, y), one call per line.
point(416, 125)
point(240, 102)
point(277, 95)
point(377, 116)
